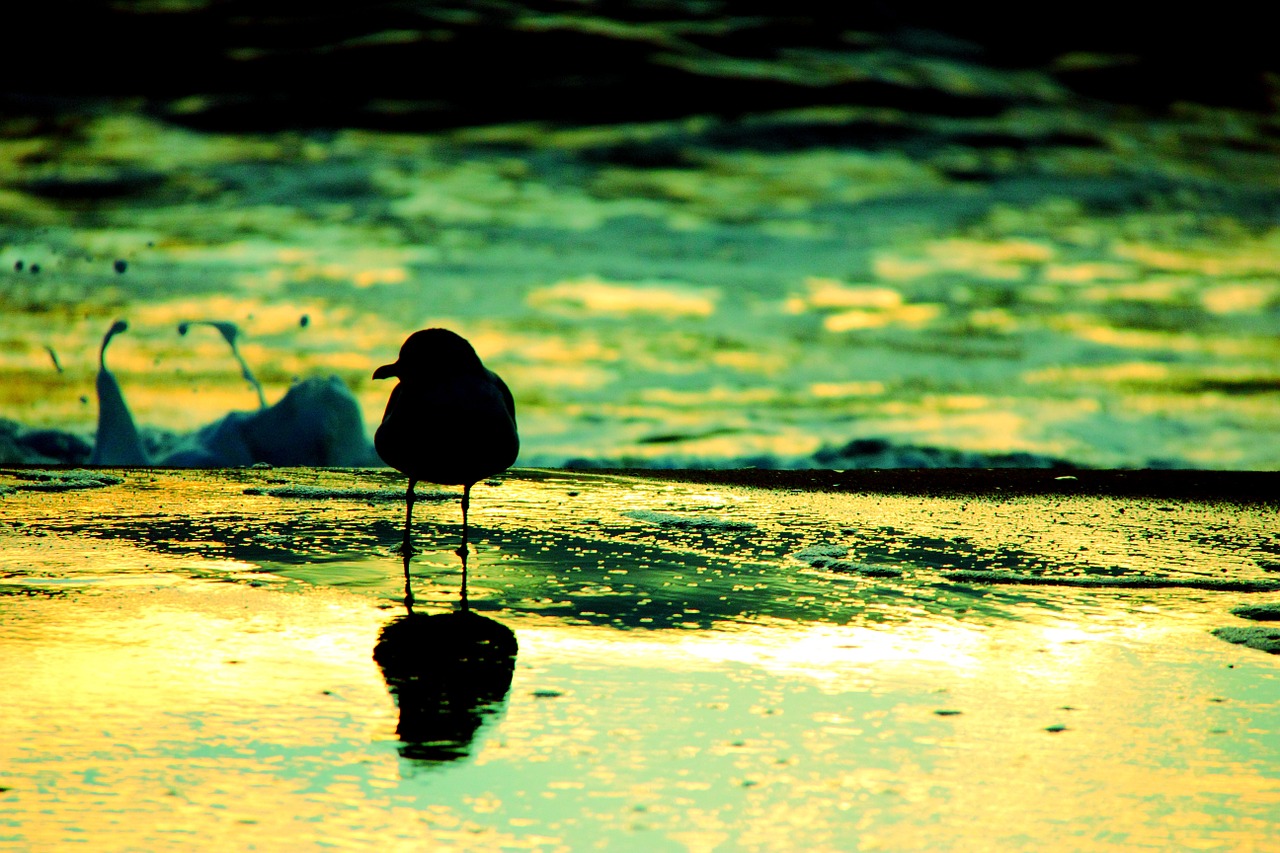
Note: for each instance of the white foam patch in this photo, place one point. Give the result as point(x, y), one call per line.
point(322, 493)
point(1252, 636)
point(808, 553)
point(830, 557)
point(688, 522)
point(58, 481)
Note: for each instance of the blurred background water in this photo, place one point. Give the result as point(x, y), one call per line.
point(686, 233)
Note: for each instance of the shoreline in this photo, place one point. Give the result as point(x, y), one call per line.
point(1206, 485)
point(1243, 487)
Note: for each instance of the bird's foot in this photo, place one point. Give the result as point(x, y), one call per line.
point(404, 549)
point(461, 551)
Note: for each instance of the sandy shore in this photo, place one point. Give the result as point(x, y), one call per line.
point(1246, 487)
point(716, 661)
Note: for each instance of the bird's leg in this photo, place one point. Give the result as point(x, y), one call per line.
point(406, 547)
point(462, 549)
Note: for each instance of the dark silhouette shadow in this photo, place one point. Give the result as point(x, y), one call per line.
point(117, 441)
point(317, 422)
point(448, 672)
point(439, 371)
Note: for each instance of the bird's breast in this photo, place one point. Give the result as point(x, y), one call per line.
point(451, 432)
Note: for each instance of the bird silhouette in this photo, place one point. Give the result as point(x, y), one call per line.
point(449, 421)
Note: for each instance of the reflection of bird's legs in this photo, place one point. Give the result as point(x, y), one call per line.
point(462, 549)
point(406, 547)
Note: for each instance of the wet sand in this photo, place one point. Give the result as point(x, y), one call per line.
point(725, 660)
point(1246, 487)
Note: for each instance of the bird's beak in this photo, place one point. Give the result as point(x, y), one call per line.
point(386, 370)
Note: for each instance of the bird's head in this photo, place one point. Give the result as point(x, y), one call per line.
point(432, 351)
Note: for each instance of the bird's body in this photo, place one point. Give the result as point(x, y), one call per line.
point(449, 421)
point(454, 429)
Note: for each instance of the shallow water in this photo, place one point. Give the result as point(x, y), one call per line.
point(188, 661)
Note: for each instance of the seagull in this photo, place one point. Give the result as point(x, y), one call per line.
point(449, 421)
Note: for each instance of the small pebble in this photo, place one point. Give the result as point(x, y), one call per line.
point(121, 266)
point(18, 265)
point(304, 320)
point(35, 269)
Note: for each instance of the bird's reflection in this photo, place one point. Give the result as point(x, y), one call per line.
point(448, 672)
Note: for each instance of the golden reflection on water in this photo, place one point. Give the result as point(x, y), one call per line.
point(202, 717)
point(880, 760)
point(275, 719)
point(172, 680)
point(594, 296)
